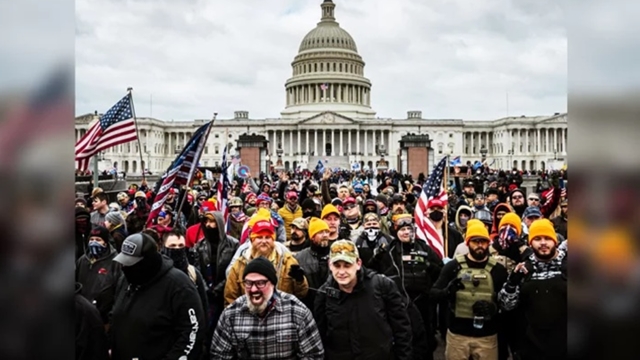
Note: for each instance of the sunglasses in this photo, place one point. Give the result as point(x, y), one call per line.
point(260, 284)
point(293, 198)
point(534, 199)
point(349, 207)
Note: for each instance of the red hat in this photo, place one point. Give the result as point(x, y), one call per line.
point(262, 226)
point(349, 200)
point(291, 194)
point(435, 203)
point(207, 206)
point(250, 196)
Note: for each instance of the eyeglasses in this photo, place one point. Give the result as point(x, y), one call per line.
point(534, 199)
point(260, 284)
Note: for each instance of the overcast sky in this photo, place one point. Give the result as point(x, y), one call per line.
point(449, 58)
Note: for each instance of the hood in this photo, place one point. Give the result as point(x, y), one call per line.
point(501, 206)
point(167, 264)
point(220, 224)
point(372, 202)
point(460, 208)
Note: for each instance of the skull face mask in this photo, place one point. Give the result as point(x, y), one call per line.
point(372, 233)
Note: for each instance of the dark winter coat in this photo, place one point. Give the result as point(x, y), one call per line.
point(91, 340)
point(99, 279)
point(162, 319)
point(369, 323)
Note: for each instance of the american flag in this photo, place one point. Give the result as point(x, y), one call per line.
point(432, 189)
point(115, 127)
point(223, 184)
point(180, 171)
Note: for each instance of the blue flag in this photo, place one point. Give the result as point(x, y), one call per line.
point(320, 166)
point(456, 161)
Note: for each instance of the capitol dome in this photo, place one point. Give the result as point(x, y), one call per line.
point(328, 73)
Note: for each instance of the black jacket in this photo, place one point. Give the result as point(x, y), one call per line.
point(162, 319)
point(99, 281)
point(91, 340)
point(390, 263)
point(316, 270)
point(369, 323)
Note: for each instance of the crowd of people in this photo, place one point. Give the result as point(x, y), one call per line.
point(325, 265)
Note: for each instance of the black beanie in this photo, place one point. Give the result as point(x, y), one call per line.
point(308, 204)
point(261, 266)
point(101, 232)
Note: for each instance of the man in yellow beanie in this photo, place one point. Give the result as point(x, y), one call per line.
point(471, 282)
point(538, 288)
point(332, 216)
point(314, 259)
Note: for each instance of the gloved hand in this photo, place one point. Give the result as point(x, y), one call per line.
point(454, 285)
point(296, 273)
point(518, 274)
point(484, 308)
point(381, 251)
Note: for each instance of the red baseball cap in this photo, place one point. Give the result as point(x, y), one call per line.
point(292, 194)
point(435, 203)
point(349, 200)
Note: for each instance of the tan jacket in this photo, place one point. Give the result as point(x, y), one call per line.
point(282, 261)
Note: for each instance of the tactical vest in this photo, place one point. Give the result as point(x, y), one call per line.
point(505, 261)
point(483, 291)
point(416, 277)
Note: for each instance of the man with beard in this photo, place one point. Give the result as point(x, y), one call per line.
point(314, 259)
point(298, 240)
point(539, 287)
point(470, 283)
point(157, 312)
point(266, 323)
point(214, 252)
point(290, 276)
point(237, 218)
point(173, 246)
point(517, 201)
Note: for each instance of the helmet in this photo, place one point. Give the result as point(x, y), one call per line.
point(235, 201)
point(122, 196)
point(484, 216)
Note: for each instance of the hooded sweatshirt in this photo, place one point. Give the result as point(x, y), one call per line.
point(459, 227)
point(500, 207)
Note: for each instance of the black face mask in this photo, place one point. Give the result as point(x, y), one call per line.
point(142, 272)
point(179, 257)
point(307, 213)
point(211, 234)
point(436, 216)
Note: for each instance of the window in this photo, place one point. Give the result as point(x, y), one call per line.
point(217, 150)
point(450, 136)
point(217, 136)
point(440, 148)
point(206, 149)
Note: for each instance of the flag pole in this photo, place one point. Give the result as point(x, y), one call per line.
point(445, 180)
point(196, 159)
point(135, 121)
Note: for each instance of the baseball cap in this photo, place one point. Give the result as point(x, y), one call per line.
point(344, 250)
point(134, 248)
point(300, 223)
point(532, 211)
point(292, 194)
point(435, 203)
point(348, 201)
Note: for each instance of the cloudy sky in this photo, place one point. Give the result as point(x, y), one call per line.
point(449, 58)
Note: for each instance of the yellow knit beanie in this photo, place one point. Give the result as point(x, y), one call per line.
point(476, 230)
point(261, 214)
point(513, 220)
point(316, 225)
point(329, 209)
point(542, 227)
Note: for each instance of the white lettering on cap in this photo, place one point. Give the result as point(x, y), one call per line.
point(128, 248)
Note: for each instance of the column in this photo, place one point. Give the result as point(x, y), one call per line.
point(340, 94)
point(275, 142)
point(382, 135)
point(349, 142)
point(290, 142)
point(324, 142)
point(358, 141)
point(341, 134)
point(333, 141)
point(307, 147)
point(298, 150)
point(315, 142)
point(366, 147)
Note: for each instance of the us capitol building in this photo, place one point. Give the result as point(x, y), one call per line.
point(329, 116)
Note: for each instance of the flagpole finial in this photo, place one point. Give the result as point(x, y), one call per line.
point(129, 89)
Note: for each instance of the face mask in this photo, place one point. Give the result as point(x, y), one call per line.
point(307, 213)
point(179, 257)
point(436, 215)
point(211, 234)
point(463, 222)
point(96, 249)
point(372, 233)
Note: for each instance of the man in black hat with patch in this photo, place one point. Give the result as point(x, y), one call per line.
point(157, 312)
